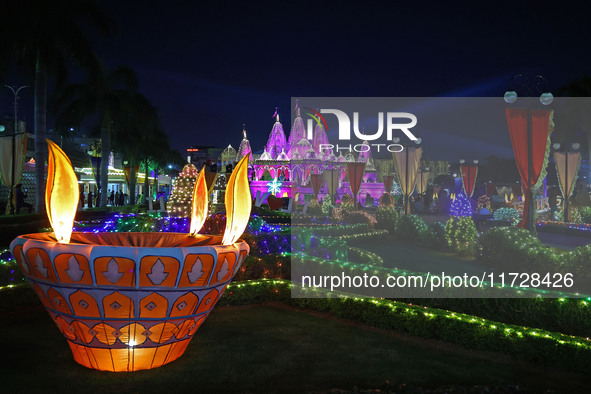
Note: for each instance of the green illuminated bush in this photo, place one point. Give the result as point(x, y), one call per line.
point(411, 228)
point(358, 217)
point(327, 205)
point(507, 214)
point(514, 247)
point(461, 234)
point(436, 236)
point(314, 209)
point(585, 214)
point(347, 203)
point(533, 344)
point(386, 217)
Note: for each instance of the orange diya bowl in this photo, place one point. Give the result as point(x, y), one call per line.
point(128, 301)
point(131, 301)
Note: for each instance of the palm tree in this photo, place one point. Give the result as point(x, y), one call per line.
point(139, 135)
point(41, 35)
point(101, 98)
point(155, 152)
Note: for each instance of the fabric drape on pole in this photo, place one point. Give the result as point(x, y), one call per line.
point(20, 144)
point(355, 172)
point(331, 177)
point(412, 156)
point(567, 172)
point(541, 129)
point(422, 182)
point(126, 170)
point(6, 163)
point(469, 173)
point(317, 181)
point(388, 182)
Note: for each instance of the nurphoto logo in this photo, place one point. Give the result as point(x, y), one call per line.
point(391, 119)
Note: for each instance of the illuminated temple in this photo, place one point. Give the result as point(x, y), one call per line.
point(285, 166)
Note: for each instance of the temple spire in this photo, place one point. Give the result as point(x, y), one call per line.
point(244, 130)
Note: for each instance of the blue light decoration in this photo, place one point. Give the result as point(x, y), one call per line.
point(461, 206)
point(274, 186)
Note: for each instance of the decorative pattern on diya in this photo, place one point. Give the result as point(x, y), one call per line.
point(131, 301)
point(112, 301)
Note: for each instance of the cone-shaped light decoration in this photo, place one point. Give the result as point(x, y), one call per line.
point(61, 193)
point(238, 202)
point(200, 203)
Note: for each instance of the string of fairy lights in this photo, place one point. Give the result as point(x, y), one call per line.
point(495, 331)
point(324, 233)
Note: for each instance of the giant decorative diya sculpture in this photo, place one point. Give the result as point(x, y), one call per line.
point(131, 301)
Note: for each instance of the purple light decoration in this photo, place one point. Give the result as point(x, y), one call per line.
point(461, 206)
point(277, 141)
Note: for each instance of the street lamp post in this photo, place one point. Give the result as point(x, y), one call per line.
point(530, 86)
point(15, 92)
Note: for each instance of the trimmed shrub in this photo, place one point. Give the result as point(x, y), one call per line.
point(411, 228)
point(436, 236)
point(507, 214)
point(356, 217)
point(326, 205)
point(514, 247)
point(347, 203)
point(314, 208)
point(585, 214)
point(386, 217)
point(461, 206)
point(461, 234)
point(386, 200)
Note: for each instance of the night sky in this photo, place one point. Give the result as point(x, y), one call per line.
point(210, 67)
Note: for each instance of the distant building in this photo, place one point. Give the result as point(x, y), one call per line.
point(436, 168)
point(200, 155)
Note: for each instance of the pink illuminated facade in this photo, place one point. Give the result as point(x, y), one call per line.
point(287, 163)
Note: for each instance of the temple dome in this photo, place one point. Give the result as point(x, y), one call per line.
point(277, 141)
point(311, 154)
point(295, 155)
point(298, 130)
point(282, 156)
point(265, 156)
point(228, 155)
point(302, 147)
point(365, 153)
point(244, 148)
point(320, 138)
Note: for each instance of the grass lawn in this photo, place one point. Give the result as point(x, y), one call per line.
point(268, 348)
point(404, 255)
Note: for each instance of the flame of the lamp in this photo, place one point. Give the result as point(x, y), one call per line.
point(200, 203)
point(61, 193)
point(238, 202)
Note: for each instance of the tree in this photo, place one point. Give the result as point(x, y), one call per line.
point(101, 98)
point(498, 169)
point(140, 135)
point(573, 118)
point(41, 35)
